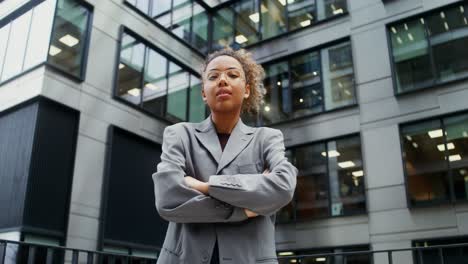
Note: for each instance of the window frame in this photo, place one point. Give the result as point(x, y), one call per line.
point(84, 56)
point(452, 200)
point(287, 58)
point(125, 30)
point(437, 82)
point(329, 216)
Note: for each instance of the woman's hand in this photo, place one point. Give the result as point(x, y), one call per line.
point(266, 172)
point(197, 184)
point(249, 213)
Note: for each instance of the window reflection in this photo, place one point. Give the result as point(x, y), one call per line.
point(132, 57)
point(176, 109)
point(430, 49)
point(306, 85)
point(69, 37)
point(200, 28)
point(330, 8)
point(197, 105)
point(277, 99)
point(155, 83)
point(273, 15)
point(247, 22)
point(425, 163)
point(330, 180)
point(223, 32)
point(301, 13)
point(181, 19)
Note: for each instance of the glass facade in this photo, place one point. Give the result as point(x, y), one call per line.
point(156, 84)
point(330, 181)
point(430, 49)
point(453, 255)
point(238, 24)
point(435, 154)
point(317, 258)
point(37, 36)
point(308, 84)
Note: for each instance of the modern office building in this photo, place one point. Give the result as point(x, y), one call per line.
point(371, 96)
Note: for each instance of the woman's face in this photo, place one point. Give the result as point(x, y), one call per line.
point(224, 85)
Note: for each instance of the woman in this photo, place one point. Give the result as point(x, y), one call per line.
point(220, 182)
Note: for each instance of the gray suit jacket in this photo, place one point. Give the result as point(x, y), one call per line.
point(236, 182)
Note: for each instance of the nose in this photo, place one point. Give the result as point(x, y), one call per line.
point(222, 79)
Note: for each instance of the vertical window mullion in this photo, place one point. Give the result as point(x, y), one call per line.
point(167, 89)
point(260, 20)
point(143, 71)
point(290, 89)
point(6, 49)
point(172, 14)
point(191, 24)
point(189, 90)
point(447, 157)
point(322, 84)
point(328, 180)
point(431, 56)
point(27, 39)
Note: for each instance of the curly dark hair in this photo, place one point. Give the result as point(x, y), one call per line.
point(254, 75)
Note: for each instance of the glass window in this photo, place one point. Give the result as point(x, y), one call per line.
point(17, 42)
point(448, 35)
point(338, 76)
point(223, 31)
point(346, 175)
point(306, 85)
point(181, 18)
point(330, 8)
point(301, 13)
point(317, 259)
point(455, 254)
point(247, 22)
point(457, 152)
point(130, 77)
point(312, 196)
point(330, 180)
point(273, 15)
point(411, 55)
point(197, 105)
point(4, 35)
point(200, 28)
point(39, 35)
point(69, 37)
point(155, 83)
point(277, 99)
point(160, 6)
point(177, 93)
point(425, 164)
point(143, 5)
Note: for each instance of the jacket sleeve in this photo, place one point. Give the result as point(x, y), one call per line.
point(175, 200)
point(262, 194)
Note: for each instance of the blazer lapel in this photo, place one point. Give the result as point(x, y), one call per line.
point(206, 134)
point(239, 139)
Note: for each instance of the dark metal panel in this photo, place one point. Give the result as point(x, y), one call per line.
point(130, 216)
point(16, 140)
point(52, 164)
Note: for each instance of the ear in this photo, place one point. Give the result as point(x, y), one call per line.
point(247, 91)
point(203, 94)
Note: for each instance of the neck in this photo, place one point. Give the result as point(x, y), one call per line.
point(225, 122)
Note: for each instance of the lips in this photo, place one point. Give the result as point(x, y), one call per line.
point(223, 92)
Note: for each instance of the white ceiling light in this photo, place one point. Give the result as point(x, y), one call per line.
point(465, 134)
point(69, 40)
point(301, 100)
point(315, 73)
point(305, 23)
point(422, 20)
point(267, 108)
point(121, 66)
point(151, 86)
point(358, 173)
point(346, 91)
point(393, 30)
point(446, 26)
point(442, 14)
point(346, 164)
point(406, 26)
point(399, 40)
point(286, 253)
point(331, 153)
point(255, 17)
point(410, 36)
point(415, 145)
point(263, 9)
point(282, 2)
point(241, 39)
point(435, 133)
point(54, 50)
point(441, 147)
point(320, 259)
point(278, 83)
point(462, 9)
point(454, 157)
point(338, 11)
point(293, 261)
point(409, 138)
point(134, 92)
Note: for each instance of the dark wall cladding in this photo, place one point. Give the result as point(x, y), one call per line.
point(37, 154)
point(16, 140)
point(52, 163)
point(130, 215)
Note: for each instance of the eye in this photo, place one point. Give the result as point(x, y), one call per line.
point(212, 77)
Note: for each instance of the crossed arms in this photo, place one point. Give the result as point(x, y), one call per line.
point(225, 198)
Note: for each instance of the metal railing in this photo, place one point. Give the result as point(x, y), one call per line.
point(415, 255)
point(14, 252)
